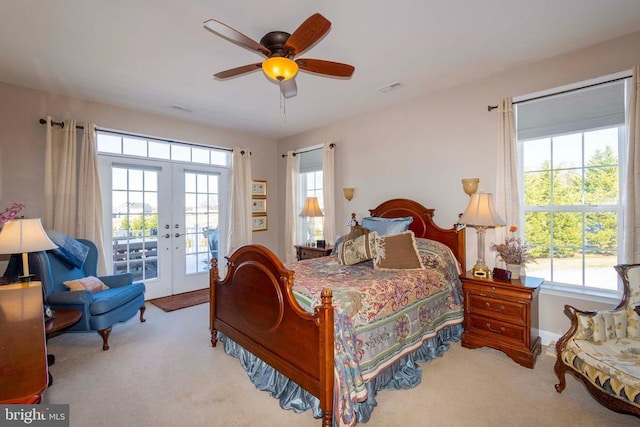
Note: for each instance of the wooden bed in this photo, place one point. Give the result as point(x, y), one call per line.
point(255, 307)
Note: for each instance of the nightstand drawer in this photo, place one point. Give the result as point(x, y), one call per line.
point(308, 253)
point(497, 308)
point(498, 330)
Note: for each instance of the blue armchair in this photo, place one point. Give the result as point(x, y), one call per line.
point(100, 310)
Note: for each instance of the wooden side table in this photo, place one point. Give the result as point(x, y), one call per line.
point(63, 319)
point(307, 252)
point(502, 314)
point(23, 361)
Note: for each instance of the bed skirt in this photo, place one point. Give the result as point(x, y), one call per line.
point(402, 374)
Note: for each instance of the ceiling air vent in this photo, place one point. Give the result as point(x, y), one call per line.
point(389, 88)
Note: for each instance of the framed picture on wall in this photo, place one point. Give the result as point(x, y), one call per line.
point(259, 207)
point(260, 223)
point(258, 188)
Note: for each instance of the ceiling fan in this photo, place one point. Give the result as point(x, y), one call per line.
point(280, 48)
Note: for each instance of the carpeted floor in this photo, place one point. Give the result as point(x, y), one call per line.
point(178, 301)
point(164, 372)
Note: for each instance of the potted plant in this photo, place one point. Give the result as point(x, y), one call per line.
point(513, 252)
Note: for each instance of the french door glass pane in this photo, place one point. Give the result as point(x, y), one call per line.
point(201, 220)
point(134, 222)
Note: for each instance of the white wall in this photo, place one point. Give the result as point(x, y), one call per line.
point(422, 148)
point(22, 145)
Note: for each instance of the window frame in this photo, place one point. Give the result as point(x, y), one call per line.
point(583, 208)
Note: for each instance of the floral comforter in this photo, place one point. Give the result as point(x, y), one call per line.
point(381, 315)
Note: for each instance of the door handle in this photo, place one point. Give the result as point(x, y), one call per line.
point(166, 236)
point(178, 235)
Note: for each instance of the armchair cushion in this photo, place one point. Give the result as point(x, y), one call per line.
point(112, 298)
point(613, 365)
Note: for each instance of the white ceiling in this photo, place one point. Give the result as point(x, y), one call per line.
point(151, 55)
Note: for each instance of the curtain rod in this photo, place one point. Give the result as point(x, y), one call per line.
point(295, 153)
point(493, 107)
point(61, 124)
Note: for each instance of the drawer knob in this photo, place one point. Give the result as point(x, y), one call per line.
point(488, 304)
point(495, 330)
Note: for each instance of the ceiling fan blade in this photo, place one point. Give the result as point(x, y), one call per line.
point(237, 71)
point(289, 88)
point(308, 33)
point(329, 68)
point(234, 36)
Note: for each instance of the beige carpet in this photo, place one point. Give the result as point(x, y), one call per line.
point(183, 300)
point(165, 373)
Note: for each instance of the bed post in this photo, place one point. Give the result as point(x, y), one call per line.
point(327, 356)
point(213, 276)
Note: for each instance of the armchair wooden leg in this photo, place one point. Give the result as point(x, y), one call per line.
point(142, 309)
point(104, 333)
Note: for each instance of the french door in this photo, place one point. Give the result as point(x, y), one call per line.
point(164, 221)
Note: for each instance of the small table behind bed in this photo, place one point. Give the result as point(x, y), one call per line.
point(255, 307)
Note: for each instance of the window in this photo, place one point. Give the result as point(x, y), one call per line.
point(310, 185)
point(134, 146)
point(569, 148)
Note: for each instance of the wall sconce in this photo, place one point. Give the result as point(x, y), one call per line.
point(470, 185)
point(348, 193)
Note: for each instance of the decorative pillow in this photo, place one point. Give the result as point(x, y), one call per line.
point(397, 252)
point(387, 226)
point(90, 283)
point(70, 251)
point(357, 250)
point(356, 231)
point(599, 328)
point(585, 328)
point(620, 318)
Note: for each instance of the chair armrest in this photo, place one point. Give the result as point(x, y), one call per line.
point(70, 297)
point(117, 280)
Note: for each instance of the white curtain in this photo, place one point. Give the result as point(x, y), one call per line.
point(240, 200)
point(60, 177)
point(90, 215)
point(328, 193)
point(290, 204)
point(631, 234)
point(507, 197)
point(73, 201)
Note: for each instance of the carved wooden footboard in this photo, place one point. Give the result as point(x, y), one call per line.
point(255, 307)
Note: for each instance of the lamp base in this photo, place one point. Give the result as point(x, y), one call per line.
point(482, 271)
point(26, 278)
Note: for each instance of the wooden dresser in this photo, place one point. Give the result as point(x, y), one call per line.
point(23, 352)
point(306, 252)
point(502, 314)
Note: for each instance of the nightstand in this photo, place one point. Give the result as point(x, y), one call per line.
point(306, 252)
point(502, 314)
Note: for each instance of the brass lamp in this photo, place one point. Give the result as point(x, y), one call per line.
point(24, 236)
point(311, 210)
point(481, 214)
point(280, 68)
point(348, 193)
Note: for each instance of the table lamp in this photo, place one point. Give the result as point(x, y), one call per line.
point(311, 210)
point(481, 214)
point(24, 236)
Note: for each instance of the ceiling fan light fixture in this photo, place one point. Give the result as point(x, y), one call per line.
point(280, 68)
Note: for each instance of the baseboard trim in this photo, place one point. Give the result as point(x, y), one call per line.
point(548, 337)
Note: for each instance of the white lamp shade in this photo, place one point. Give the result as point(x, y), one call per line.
point(24, 235)
point(481, 212)
point(311, 208)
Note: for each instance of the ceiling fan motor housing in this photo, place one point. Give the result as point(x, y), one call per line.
point(274, 41)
